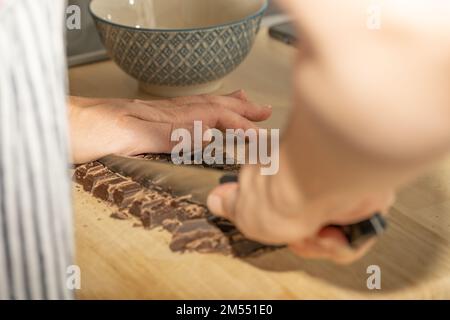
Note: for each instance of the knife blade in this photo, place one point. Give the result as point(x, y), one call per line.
point(197, 183)
point(179, 180)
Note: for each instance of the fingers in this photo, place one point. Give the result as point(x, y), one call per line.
point(222, 200)
point(179, 101)
point(150, 123)
point(239, 94)
point(214, 117)
point(236, 102)
point(140, 136)
point(330, 244)
point(354, 212)
point(258, 216)
point(244, 108)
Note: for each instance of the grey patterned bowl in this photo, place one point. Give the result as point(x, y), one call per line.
point(178, 47)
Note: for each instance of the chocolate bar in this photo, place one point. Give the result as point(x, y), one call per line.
point(201, 236)
point(192, 227)
point(93, 175)
point(232, 166)
point(104, 188)
point(123, 194)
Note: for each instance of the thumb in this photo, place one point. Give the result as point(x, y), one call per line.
point(222, 200)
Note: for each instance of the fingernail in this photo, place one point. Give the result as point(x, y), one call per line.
point(268, 107)
point(214, 204)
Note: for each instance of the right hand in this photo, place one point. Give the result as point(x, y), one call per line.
point(273, 210)
point(370, 113)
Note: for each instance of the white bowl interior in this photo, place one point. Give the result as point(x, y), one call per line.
point(174, 14)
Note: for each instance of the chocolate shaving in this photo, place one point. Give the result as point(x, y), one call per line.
point(199, 235)
point(192, 227)
point(119, 215)
point(123, 194)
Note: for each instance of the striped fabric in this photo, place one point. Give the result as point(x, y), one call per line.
point(36, 239)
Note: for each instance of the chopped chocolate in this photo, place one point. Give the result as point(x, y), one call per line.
point(146, 220)
point(171, 224)
point(229, 164)
point(192, 226)
point(103, 189)
point(135, 208)
point(161, 214)
point(123, 194)
point(153, 213)
point(199, 235)
point(81, 171)
point(193, 211)
point(93, 175)
point(224, 225)
point(119, 215)
point(139, 206)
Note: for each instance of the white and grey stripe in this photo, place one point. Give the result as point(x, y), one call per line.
point(36, 238)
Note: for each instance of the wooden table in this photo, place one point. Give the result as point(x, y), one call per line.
point(121, 262)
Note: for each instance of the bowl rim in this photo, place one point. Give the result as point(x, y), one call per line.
point(261, 11)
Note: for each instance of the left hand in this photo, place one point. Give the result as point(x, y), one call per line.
point(99, 127)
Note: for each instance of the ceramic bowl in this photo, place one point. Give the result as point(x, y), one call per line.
point(178, 47)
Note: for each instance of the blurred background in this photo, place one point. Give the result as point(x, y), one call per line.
point(84, 46)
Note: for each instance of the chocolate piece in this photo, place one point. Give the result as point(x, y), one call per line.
point(93, 175)
point(153, 212)
point(233, 166)
point(199, 235)
point(193, 228)
point(103, 189)
point(245, 248)
point(123, 194)
point(139, 206)
point(146, 220)
point(224, 225)
point(171, 224)
point(158, 216)
point(135, 208)
point(119, 215)
point(192, 211)
point(81, 171)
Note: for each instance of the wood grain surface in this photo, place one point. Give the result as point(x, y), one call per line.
point(119, 261)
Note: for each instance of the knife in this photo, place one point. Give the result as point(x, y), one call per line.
point(197, 183)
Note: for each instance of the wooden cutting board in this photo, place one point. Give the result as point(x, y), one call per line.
point(119, 261)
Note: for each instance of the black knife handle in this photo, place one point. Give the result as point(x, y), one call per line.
point(360, 232)
point(229, 178)
point(356, 234)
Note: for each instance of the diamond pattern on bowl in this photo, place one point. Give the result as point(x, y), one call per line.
point(179, 58)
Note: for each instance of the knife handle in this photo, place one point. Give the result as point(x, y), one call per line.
point(356, 234)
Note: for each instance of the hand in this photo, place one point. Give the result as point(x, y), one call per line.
point(364, 123)
point(272, 210)
point(99, 127)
